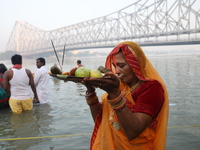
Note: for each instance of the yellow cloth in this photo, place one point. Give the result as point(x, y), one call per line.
point(149, 139)
point(17, 106)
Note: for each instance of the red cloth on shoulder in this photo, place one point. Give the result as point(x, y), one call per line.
point(149, 98)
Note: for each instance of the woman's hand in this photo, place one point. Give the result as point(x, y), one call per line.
point(88, 85)
point(109, 83)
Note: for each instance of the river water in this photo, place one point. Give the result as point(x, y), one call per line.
point(65, 122)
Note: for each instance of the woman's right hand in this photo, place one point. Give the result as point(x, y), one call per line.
point(109, 83)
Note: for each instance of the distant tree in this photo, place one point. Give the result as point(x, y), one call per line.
point(7, 55)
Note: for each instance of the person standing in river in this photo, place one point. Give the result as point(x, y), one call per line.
point(3, 69)
point(79, 64)
point(4, 95)
point(19, 79)
point(41, 80)
point(133, 113)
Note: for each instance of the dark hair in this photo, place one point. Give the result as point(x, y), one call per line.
point(42, 60)
point(79, 61)
point(2, 68)
point(16, 59)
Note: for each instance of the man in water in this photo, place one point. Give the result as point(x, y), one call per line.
point(19, 80)
point(41, 80)
point(79, 64)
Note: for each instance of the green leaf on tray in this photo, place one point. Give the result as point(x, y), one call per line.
point(62, 76)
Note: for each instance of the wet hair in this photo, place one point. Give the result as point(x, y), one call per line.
point(79, 61)
point(3, 68)
point(42, 60)
point(16, 59)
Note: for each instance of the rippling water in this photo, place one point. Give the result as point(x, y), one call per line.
point(66, 124)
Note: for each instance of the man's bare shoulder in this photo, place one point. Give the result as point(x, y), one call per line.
point(8, 72)
point(28, 71)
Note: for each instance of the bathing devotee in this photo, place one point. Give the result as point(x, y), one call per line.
point(133, 112)
point(41, 80)
point(19, 79)
point(79, 64)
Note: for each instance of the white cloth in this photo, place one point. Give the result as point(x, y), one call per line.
point(19, 85)
point(41, 81)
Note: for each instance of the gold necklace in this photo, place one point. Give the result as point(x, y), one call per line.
point(133, 87)
point(115, 124)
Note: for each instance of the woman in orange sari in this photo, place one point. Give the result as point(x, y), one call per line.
point(133, 113)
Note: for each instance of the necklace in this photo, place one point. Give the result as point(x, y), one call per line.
point(133, 87)
point(115, 124)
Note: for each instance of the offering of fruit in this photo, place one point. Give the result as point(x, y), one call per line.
point(55, 70)
point(72, 71)
point(95, 74)
point(82, 72)
point(77, 72)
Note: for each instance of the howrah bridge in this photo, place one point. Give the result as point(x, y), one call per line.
point(147, 22)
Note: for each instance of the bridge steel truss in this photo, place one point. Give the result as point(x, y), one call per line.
point(145, 22)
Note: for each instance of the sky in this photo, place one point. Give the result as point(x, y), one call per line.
point(52, 14)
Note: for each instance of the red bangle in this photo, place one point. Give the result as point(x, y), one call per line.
point(94, 103)
point(89, 92)
point(121, 108)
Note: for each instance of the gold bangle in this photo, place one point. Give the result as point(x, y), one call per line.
point(118, 102)
point(120, 108)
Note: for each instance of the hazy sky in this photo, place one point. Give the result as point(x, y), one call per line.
point(52, 14)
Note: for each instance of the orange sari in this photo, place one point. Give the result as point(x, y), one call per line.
point(153, 137)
